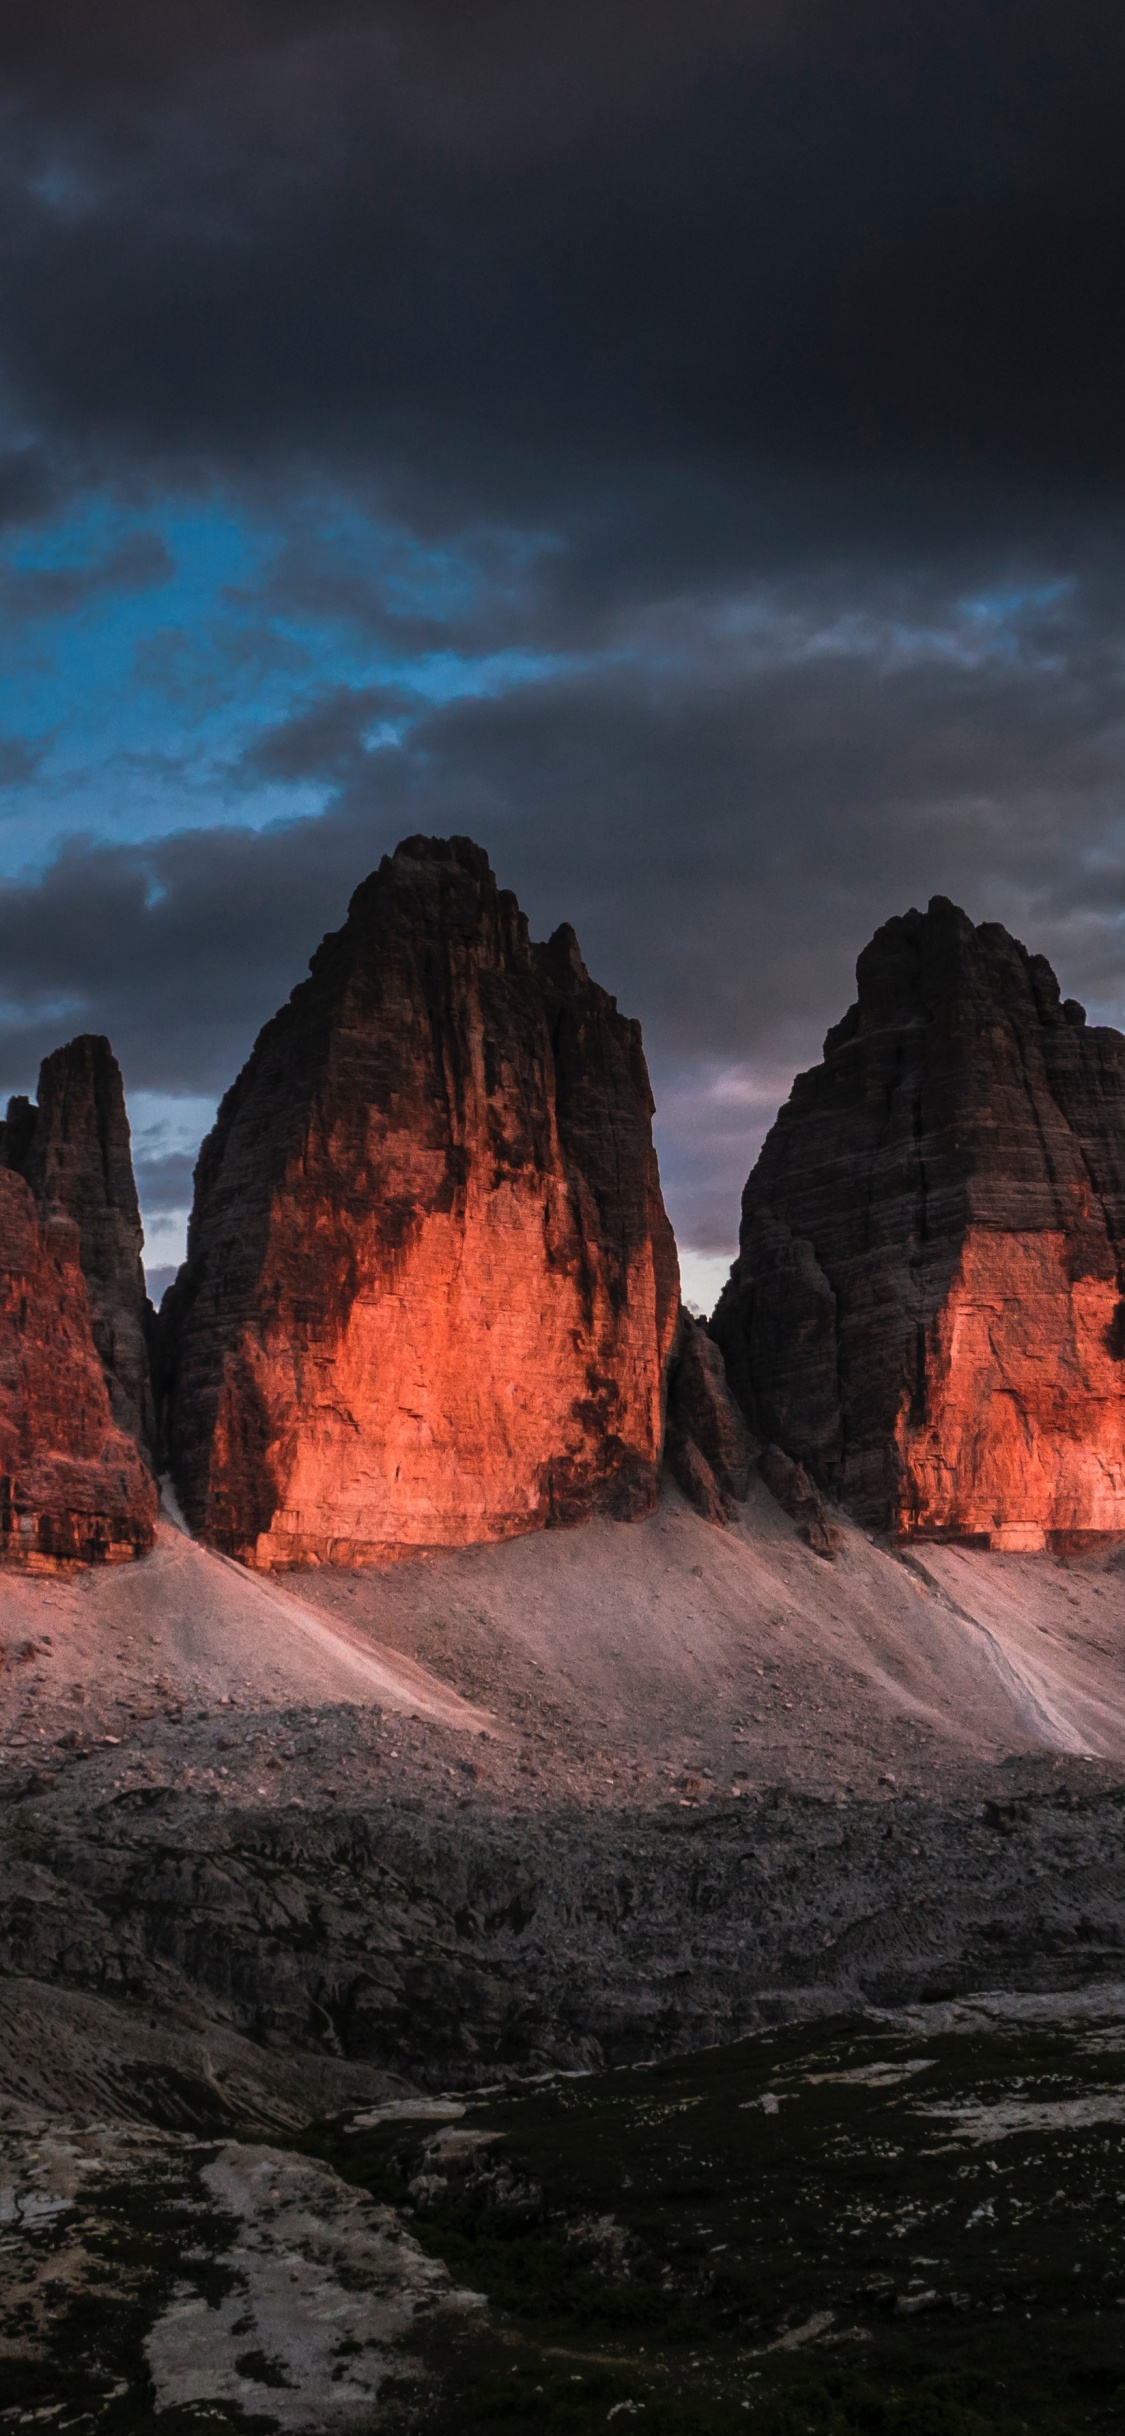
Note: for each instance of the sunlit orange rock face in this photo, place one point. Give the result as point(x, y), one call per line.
point(72, 1484)
point(927, 1305)
point(1023, 1430)
point(431, 1288)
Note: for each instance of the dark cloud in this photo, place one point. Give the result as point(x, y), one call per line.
point(724, 837)
point(30, 481)
point(51, 591)
point(758, 374)
point(177, 951)
point(326, 738)
point(19, 760)
point(426, 237)
point(164, 1181)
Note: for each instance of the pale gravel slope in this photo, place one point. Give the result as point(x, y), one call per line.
point(613, 1660)
point(670, 1642)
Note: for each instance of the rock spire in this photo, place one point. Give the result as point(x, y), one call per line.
point(928, 1306)
point(431, 1288)
point(72, 1484)
point(72, 1148)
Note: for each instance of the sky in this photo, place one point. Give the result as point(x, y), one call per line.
point(681, 447)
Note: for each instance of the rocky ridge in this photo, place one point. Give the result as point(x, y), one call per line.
point(927, 1307)
point(431, 1293)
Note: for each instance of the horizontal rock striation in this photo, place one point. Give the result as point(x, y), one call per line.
point(72, 1147)
point(431, 1288)
point(927, 1306)
point(72, 1484)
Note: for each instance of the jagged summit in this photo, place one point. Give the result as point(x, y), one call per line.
point(927, 1306)
point(72, 1484)
point(72, 1149)
point(431, 1287)
point(76, 1407)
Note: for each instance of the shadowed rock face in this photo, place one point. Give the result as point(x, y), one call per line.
point(707, 1445)
point(431, 1287)
point(72, 1484)
point(73, 1149)
point(927, 1306)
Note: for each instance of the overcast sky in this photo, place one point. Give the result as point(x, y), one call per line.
point(680, 446)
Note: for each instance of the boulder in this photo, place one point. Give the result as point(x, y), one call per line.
point(927, 1309)
point(72, 1484)
point(72, 1148)
point(431, 1288)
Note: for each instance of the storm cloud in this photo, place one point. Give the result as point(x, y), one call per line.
point(680, 448)
point(819, 231)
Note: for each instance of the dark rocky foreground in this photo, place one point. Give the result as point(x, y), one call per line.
point(907, 2225)
point(449, 1946)
point(232, 2194)
point(903, 2224)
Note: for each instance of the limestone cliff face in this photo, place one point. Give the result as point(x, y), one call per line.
point(927, 1308)
point(72, 1484)
point(431, 1288)
point(72, 1148)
